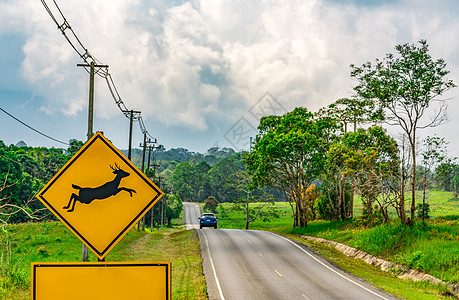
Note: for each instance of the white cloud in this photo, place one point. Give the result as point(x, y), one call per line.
point(202, 64)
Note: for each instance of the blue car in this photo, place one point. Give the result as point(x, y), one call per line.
point(208, 220)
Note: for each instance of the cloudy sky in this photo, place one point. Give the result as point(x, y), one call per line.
point(202, 72)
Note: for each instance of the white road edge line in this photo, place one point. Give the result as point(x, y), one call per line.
point(348, 279)
point(213, 267)
point(306, 297)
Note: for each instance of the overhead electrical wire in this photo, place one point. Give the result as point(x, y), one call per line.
point(88, 58)
point(30, 127)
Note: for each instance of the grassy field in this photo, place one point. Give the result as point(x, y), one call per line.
point(441, 203)
point(402, 289)
point(229, 218)
point(53, 242)
point(432, 247)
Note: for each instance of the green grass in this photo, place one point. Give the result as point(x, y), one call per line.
point(403, 289)
point(441, 203)
point(53, 242)
point(432, 248)
point(228, 218)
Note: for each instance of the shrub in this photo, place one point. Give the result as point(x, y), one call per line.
point(423, 211)
point(43, 251)
point(211, 204)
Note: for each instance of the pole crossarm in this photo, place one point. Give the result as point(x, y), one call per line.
point(95, 66)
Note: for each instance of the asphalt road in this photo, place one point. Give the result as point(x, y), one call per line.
point(192, 213)
point(251, 264)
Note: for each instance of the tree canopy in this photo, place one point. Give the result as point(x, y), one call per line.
point(404, 87)
point(289, 154)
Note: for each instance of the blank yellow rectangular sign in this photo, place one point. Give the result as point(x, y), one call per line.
point(101, 280)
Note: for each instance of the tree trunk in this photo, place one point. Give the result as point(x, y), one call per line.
point(295, 224)
point(337, 209)
point(297, 214)
point(424, 195)
point(401, 204)
point(302, 211)
point(247, 213)
point(303, 218)
point(351, 204)
point(413, 180)
point(402, 199)
point(343, 200)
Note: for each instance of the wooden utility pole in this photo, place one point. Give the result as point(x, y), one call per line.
point(132, 115)
point(92, 72)
point(91, 102)
point(143, 151)
point(131, 120)
point(150, 148)
point(143, 167)
point(92, 66)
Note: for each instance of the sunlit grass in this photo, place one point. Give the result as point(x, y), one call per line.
point(53, 242)
point(403, 289)
point(432, 247)
point(229, 218)
point(442, 203)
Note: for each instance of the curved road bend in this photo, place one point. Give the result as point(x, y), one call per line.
point(251, 264)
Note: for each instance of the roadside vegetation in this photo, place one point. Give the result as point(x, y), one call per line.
point(431, 247)
point(53, 242)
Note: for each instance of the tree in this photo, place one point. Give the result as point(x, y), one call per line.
point(334, 179)
point(182, 181)
point(220, 175)
point(289, 154)
point(434, 152)
point(345, 111)
point(423, 211)
point(211, 204)
point(443, 175)
point(246, 193)
point(10, 179)
point(75, 146)
point(355, 111)
point(174, 208)
point(201, 180)
point(371, 161)
point(311, 195)
point(404, 87)
point(447, 175)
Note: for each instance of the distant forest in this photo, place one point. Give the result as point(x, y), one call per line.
point(164, 157)
point(193, 176)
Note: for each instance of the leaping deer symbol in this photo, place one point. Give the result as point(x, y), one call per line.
point(86, 195)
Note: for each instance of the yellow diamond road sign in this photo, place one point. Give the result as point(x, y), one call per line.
point(99, 195)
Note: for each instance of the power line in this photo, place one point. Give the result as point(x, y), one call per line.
point(87, 57)
point(36, 130)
